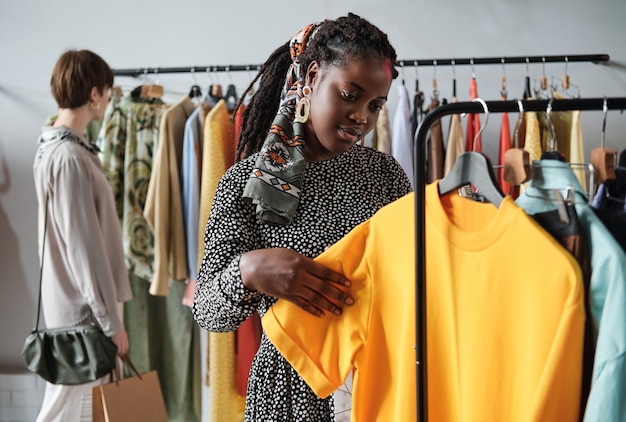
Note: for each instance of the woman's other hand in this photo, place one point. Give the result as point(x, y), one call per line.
point(286, 274)
point(121, 341)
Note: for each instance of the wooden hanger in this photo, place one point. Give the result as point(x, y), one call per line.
point(603, 159)
point(152, 90)
point(473, 168)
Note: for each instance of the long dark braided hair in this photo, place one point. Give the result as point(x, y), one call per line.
point(335, 43)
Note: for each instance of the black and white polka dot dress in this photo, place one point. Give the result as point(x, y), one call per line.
point(337, 194)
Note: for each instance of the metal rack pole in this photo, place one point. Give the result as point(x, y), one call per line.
point(593, 58)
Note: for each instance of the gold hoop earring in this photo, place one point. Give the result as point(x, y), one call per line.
point(362, 141)
point(304, 106)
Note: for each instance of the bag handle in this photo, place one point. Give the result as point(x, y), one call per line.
point(125, 360)
point(43, 249)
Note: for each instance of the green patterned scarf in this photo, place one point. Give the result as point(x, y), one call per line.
point(275, 183)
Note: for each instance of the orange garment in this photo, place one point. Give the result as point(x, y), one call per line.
point(503, 345)
point(473, 123)
point(249, 333)
point(238, 119)
point(248, 341)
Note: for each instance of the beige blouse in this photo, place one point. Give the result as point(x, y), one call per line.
point(84, 273)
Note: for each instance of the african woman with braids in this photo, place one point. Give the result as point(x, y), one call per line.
point(302, 181)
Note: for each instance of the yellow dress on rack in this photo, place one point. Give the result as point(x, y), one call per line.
point(226, 405)
point(569, 137)
point(532, 140)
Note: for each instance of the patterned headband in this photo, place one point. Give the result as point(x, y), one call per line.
point(297, 45)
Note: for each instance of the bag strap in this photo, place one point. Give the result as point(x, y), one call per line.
point(43, 249)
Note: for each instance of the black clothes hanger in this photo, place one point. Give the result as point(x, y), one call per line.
point(474, 168)
point(231, 97)
point(418, 102)
point(616, 189)
point(527, 91)
point(195, 91)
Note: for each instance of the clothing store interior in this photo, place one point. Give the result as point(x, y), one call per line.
point(530, 96)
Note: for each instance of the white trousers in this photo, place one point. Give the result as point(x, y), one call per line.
point(63, 403)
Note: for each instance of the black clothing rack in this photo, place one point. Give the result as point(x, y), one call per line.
point(420, 180)
point(419, 162)
point(594, 58)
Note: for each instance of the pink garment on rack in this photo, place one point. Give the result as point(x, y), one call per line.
point(505, 145)
point(473, 122)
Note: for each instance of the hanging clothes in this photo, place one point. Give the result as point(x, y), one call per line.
point(456, 143)
point(532, 138)
point(238, 126)
point(464, 292)
point(128, 136)
point(611, 195)
point(217, 155)
point(435, 147)
point(127, 139)
point(568, 137)
point(248, 335)
point(418, 107)
point(563, 224)
point(381, 139)
point(615, 223)
point(190, 178)
point(401, 133)
point(504, 146)
point(473, 123)
point(163, 208)
point(607, 288)
point(609, 202)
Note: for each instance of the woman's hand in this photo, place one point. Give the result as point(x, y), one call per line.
point(121, 341)
point(286, 274)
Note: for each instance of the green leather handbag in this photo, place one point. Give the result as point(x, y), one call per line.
point(68, 356)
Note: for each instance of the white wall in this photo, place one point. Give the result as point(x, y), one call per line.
point(162, 33)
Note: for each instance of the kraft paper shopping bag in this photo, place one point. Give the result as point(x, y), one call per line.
point(133, 399)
